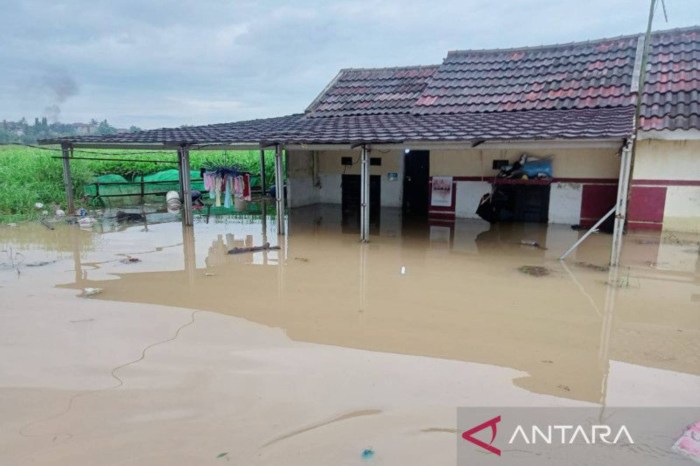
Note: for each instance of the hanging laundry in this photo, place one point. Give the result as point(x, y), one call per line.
point(227, 196)
point(246, 187)
point(217, 191)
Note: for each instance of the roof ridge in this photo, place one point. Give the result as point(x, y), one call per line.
point(573, 43)
point(391, 68)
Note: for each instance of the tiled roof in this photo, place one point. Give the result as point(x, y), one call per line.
point(672, 92)
point(394, 128)
point(571, 76)
point(580, 90)
point(372, 91)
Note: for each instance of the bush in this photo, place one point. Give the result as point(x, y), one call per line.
point(29, 175)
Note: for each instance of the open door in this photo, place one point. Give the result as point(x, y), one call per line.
point(416, 183)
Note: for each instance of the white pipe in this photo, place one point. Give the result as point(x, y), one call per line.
point(588, 233)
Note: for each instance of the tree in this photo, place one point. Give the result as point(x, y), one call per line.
point(104, 128)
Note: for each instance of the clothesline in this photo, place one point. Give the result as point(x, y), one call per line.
point(230, 182)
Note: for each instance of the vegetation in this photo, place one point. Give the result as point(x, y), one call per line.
point(29, 175)
point(22, 132)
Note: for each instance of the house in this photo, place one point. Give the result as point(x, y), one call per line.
point(429, 139)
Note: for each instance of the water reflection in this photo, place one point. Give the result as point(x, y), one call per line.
point(450, 290)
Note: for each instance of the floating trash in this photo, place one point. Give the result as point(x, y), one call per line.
point(534, 270)
point(367, 453)
point(689, 443)
point(87, 292)
point(130, 260)
point(87, 222)
point(597, 268)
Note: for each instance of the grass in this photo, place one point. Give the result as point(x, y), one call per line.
point(29, 175)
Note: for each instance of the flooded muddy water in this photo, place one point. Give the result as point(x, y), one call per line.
point(312, 353)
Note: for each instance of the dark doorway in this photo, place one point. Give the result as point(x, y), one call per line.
point(416, 182)
point(351, 200)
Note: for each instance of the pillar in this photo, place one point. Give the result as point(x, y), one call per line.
point(67, 180)
point(263, 185)
point(279, 190)
point(623, 184)
point(364, 195)
point(187, 217)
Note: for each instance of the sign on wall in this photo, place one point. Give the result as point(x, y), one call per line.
point(442, 191)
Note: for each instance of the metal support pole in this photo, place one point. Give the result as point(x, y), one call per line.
point(263, 184)
point(364, 195)
point(621, 203)
point(588, 233)
point(187, 217)
point(279, 189)
point(188, 251)
point(67, 180)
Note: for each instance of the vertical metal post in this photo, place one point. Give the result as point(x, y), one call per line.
point(188, 251)
point(143, 189)
point(279, 189)
point(364, 195)
point(263, 184)
point(621, 205)
point(187, 217)
point(67, 180)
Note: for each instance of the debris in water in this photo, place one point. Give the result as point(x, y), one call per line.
point(130, 260)
point(597, 268)
point(548, 361)
point(87, 292)
point(532, 243)
point(222, 455)
point(81, 320)
point(367, 453)
point(129, 217)
point(12, 225)
point(264, 247)
point(46, 224)
point(39, 264)
point(87, 222)
point(689, 443)
point(209, 274)
point(534, 270)
point(60, 213)
point(564, 387)
point(301, 259)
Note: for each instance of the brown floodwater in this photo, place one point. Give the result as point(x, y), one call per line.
point(431, 308)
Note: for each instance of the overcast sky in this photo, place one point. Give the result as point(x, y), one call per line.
point(155, 63)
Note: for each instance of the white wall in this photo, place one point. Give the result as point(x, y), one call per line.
point(565, 203)
point(674, 165)
point(467, 198)
point(331, 171)
point(301, 185)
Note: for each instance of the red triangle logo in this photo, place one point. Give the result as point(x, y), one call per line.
point(468, 435)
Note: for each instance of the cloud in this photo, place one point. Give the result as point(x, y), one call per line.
point(165, 62)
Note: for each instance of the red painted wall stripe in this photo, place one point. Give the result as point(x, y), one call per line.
point(646, 205)
point(665, 182)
